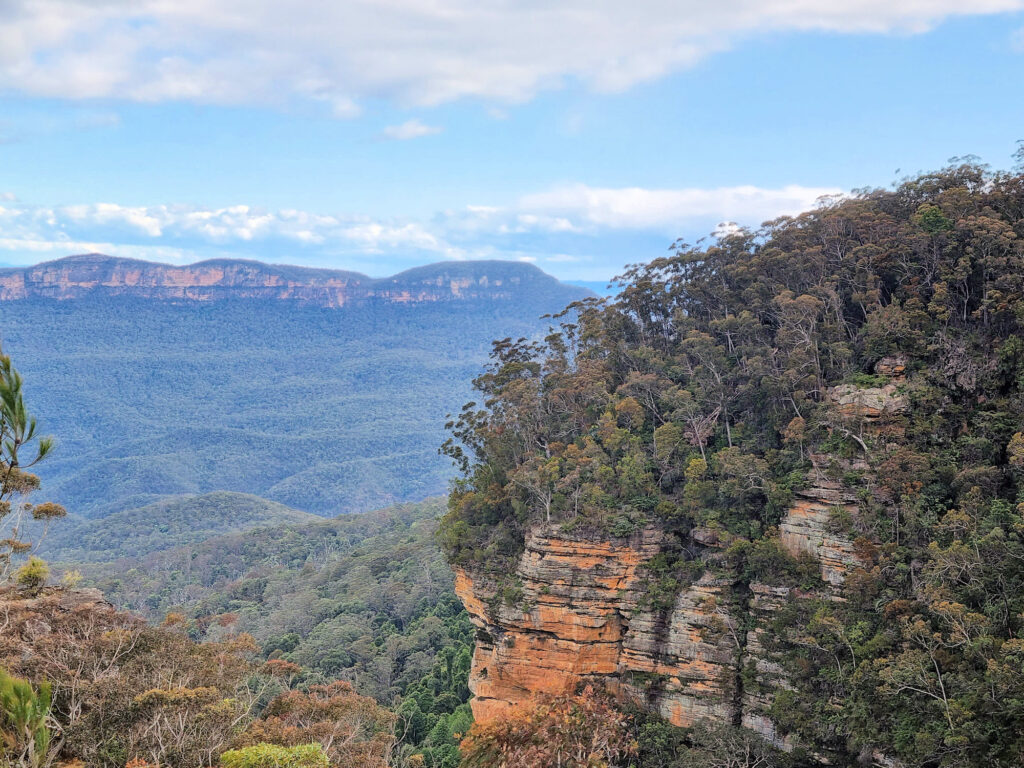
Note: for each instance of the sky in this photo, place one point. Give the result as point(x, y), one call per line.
point(378, 135)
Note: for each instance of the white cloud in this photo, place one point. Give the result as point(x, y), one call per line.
point(46, 249)
point(549, 227)
point(410, 129)
point(97, 226)
point(341, 52)
point(639, 208)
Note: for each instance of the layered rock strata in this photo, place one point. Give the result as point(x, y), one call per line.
point(579, 612)
point(95, 274)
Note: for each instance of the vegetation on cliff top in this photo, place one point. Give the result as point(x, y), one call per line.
point(705, 392)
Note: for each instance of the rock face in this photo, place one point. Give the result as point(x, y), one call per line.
point(580, 613)
point(568, 624)
point(581, 616)
point(98, 275)
point(580, 610)
point(808, 528)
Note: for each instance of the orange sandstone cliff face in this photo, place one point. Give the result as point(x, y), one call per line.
point(582, 617)
point(98, 275)
point(581, 612)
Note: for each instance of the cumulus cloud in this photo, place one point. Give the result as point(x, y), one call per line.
point(410, 129)
point(96, 226)
point(559, 227)
point(638, 208)
point(342, 52)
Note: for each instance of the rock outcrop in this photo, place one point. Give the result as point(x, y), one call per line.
point(809, 528)
point(581, 615)
point(77, 277)
point(580, 612)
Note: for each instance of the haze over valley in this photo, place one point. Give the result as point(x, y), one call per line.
point(321, 390)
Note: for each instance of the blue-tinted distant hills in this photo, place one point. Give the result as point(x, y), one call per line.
point(324, 391)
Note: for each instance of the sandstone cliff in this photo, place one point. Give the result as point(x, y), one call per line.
point(580, 610)
point(98, 275)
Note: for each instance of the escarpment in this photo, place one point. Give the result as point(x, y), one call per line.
point(579, 607)
point(98, 275)
point(580, 612)
point(807, 443)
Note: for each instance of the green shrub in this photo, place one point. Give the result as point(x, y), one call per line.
point(274, 756)
point(24, 737)
point(33, 574)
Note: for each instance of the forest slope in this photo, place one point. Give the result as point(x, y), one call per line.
point(366, 598)
point(169, 523)
point(793, 462)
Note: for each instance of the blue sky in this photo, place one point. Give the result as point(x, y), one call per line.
point(577, 135)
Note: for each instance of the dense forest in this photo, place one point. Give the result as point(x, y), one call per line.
point(704, 395)
point(172, 522)
point(293, 402)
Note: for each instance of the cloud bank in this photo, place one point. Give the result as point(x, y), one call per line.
point(559, 228)
point(343, 52)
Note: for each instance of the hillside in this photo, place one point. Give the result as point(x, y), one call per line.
point(173, 522)
point(98, 276)
point(777, 487)
point(325, 583)
point(324, 409)
point(366, 598)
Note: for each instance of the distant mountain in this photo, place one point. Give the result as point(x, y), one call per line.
point(202, 383)
point(95, 274)
point(169, 523)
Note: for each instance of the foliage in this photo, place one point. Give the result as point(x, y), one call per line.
point(353, 729)
point(274, 756)
point(365, 598)
point(32, 575)
point(24, 735)
point(584, 731)
point(18, 433)
point(706, 745)
point(123, 690)
point(705, 393)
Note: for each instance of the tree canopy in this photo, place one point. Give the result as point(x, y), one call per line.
point(707, 390)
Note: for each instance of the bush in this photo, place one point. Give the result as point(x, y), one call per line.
point(33, 574)
point(24, 735)
point(274, 756)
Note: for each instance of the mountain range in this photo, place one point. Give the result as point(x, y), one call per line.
point(325, 391)
point(95, 274)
